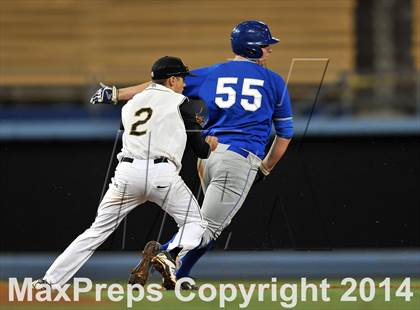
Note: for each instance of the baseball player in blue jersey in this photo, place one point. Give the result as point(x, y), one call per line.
point(244, 101)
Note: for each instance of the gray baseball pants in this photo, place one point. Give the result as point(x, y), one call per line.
point(226, 178)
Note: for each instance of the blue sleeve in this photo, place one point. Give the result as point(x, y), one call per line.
point(282, 116)
point(193, 83)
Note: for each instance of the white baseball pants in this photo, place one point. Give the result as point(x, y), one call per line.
point(133, 184)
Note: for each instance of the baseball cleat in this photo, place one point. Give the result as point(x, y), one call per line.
point(140, 273)
point(185, 286)
point(164, 263)
point(40, 284)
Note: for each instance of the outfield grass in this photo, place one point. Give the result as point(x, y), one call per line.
point(169, 300)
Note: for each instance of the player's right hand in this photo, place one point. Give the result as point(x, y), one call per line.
point(260, 177)
point(261, 174)
point(213, 142)
point(105, 94)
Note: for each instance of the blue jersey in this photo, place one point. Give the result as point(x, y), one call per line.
point(243, 99)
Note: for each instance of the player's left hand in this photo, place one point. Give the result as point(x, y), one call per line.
point(213, 142)
point(200, 119)
point(106, 95)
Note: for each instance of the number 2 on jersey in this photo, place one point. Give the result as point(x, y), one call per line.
point(148, 114)
point(222, 89)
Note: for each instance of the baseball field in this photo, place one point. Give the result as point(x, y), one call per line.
point(169, 300)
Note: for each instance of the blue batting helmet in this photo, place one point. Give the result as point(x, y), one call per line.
point(248, 37)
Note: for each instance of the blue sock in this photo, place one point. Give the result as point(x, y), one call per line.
point(190, 259)
point(164, 247)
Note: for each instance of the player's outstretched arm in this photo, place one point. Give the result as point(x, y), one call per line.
point(127, 93)
point(111, 95)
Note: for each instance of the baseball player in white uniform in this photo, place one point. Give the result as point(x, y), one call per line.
point(154, 140)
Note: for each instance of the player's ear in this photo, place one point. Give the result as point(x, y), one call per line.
point(171, 81)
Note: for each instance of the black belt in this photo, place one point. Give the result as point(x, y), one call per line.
point(156, 161)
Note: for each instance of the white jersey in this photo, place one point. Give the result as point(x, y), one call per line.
point(153, 126)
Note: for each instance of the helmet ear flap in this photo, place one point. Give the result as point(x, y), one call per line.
point(254, 52)
point(250, 51)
